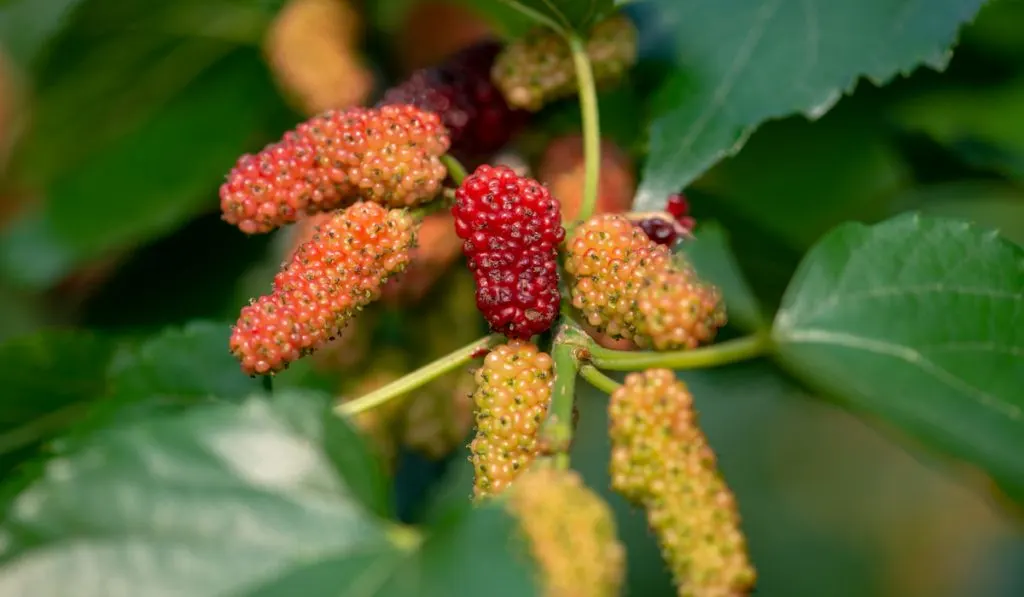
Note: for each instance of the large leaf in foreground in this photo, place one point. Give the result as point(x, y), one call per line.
point(919, 322)
point(740, 62)
point(48, 381)
point(264, 498)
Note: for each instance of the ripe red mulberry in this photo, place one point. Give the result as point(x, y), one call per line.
point(511, 228)
point(389, 155)
point(513, 391)
point(460, 91)
point(326, 281)
point(661, 461)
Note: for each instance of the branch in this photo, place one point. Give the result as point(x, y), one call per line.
point(716, 355)
point(556, 432)
point(420, 376)
point(599, 380)
point(591, 125)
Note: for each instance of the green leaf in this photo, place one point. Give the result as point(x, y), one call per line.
point(994, 205)
point(984, 125)
point(799, 179)
point(28, 26)
point(738, 63)
point(164, 172)
point(47, 382)
point(712, 256)
point(845, 494)
point(192, 361)
point(566, 15)
point(917, 321)
point(262, 498)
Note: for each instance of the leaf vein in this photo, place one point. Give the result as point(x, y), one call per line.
point(910, 356)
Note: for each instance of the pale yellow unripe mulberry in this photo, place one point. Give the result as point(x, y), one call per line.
point(513, 392)
point(571, 534)
point(661, 461)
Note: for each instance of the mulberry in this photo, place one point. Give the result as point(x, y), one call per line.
point(610, 259)
point(513, 391)
point(627, 286)
point(677, 310)
point(562, 170)
point(312, 48)
point(571, 534)
point(326, 281)
point(511, 228)
point(538, 68)
point(460, 91)
point(390, 155)
point(661, 461)
point(668, 227)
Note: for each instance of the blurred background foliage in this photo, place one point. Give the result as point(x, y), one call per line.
point(119, 119)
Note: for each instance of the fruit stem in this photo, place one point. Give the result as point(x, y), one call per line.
point(599, 380)
point(556, 432)
point(455, 168)
point(417, 378)
point(716, 355)
point(591, 125)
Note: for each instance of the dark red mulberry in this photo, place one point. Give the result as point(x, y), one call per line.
point(460, 91)
point(511, 228)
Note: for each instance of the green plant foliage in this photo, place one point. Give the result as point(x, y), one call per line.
point(267, 497)
point(565, 15)
point(915, 320)
point(739, 63)
point(49, 380)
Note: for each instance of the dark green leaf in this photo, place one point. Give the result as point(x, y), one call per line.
point(995, 205)
point(711, 254)
point(162, 173)
point(47, 383)
point(32, 256)
point(192, 361)
point(261, 498)
point(28, 26)
point(568, 15)
point(845, 495)
point(917, 321)
point(984, 125)
point(740, 62)
point(798, 179)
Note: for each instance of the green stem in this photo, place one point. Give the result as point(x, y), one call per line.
point(715, 355)
point(599, 380)
point(591, 125)
point(556, 433)
point(455, 168)
point(420, 376)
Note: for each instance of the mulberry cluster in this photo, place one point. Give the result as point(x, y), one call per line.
point(538, 68)
point(389, 155)
point(627, 286)
point(571, 534)
point(662, 461)
point(513, 390)
point(460, 91)
point(511, 228)
point(339, 271)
